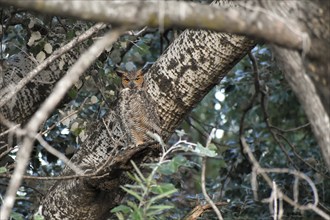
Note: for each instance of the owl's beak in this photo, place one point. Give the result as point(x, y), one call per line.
point(131, 85)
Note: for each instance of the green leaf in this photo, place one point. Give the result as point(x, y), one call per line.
point(161, 207)
point(70, 34)
point(120, 216)
point(156, 209)
point(161, 196)
point(203, 151)
point(129, 186)
point(132, 205)
point(133, 193)
point(122, 208)
point(16, 216)
point(73, 93)
point(162, 188)
point(156, 137)
point(143, 49)
point(3, 169)
point(137, 215)
point(173, 165)
point(38, 217)
point(137, 212)
point(222, 163)
point(138, 172)
point(212, 147)
point(180, 133)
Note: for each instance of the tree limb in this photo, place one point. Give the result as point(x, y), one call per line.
point(293, 68)
point(259, 24)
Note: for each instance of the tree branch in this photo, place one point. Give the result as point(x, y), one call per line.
point(295, 73)
point(259, 24)
point(203, 181)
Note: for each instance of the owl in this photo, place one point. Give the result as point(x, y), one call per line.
point(136, 109)
point(131, 80)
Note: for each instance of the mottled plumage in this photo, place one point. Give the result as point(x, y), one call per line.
point(137, 111)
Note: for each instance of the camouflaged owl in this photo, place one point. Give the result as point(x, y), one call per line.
point(137, 111)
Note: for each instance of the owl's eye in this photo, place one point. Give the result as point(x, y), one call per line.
point(138, 78)
point(126, 80)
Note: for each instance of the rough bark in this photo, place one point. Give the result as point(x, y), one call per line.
point(19, 109)
point(15, 68)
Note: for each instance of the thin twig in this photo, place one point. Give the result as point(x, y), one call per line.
point(207, 198)
point(204, 132)
point(49, 178)
point(300, 158)
point(64, 118)
point(254, 96)
point(20, 132)
point(59, 155)
point(291, 129)
point(263, 172)
point(263, 105)
point(268, 124)
point(56, 124)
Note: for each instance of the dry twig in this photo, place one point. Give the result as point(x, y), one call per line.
point(207, 198)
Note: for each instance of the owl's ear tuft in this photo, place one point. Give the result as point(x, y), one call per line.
point(141, 71)
point(120, 73)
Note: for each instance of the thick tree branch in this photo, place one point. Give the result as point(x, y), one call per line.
point(237, 20)
point(181, 77)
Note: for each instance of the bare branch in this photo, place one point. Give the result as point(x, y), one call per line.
point(59, 155)
point(255, 23)
point(20, 132)
point(200, 209)
point(300, 158)
point(291, 129)
point(263, 172)
point(207, 198)
point(293, 67)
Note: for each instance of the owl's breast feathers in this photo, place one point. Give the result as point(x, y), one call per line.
point(138, 115)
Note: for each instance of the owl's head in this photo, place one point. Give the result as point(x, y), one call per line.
point(131, 79)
